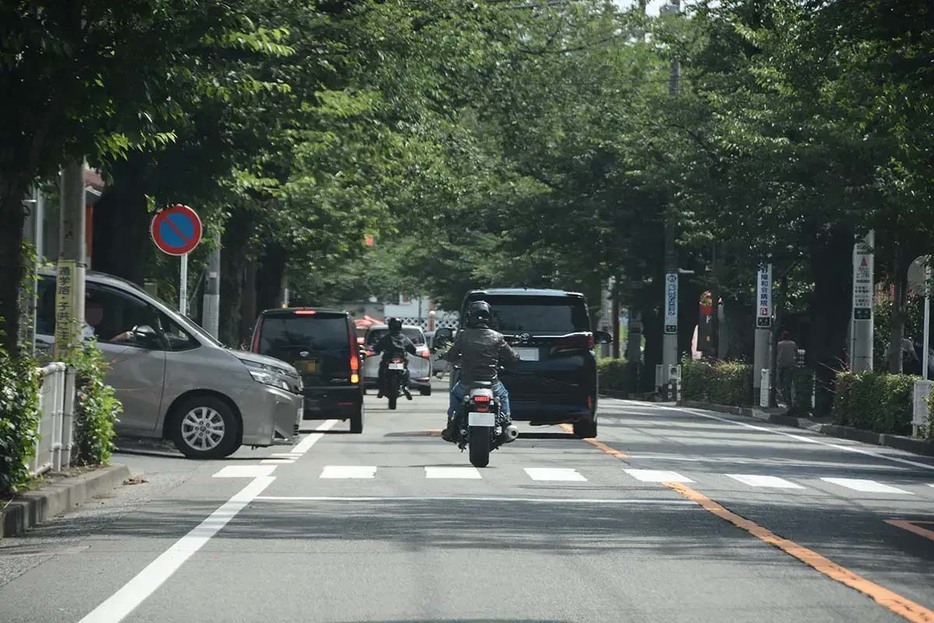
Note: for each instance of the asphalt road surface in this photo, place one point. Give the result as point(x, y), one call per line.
point(671, 515)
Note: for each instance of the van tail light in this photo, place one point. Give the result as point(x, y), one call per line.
point(256, 333)
point(305, 312)
point(423, 352)
point(354, 354)
point(575, 341)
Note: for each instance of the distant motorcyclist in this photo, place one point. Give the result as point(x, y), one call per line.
point(480, 351)
point(393, 344)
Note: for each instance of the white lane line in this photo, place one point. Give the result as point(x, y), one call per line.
point(770, 482)
point(470, 473)
point(115, 608)
point(467, 498)
point(305, 444)
point(773, 431)
point(287, 455)
point(277, 461)
point(555, 473)
point(245, 471)
point(348, 471)
point(656, 475)
point(865, 486)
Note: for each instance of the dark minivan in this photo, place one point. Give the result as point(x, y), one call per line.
point(322, 345)
point(556, 380)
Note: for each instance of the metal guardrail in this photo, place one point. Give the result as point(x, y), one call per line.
point(56, 424)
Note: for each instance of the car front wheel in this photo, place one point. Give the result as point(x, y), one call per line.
point(205, 427)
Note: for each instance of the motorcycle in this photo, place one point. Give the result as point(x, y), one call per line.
point(480, 425)
point(396, 378)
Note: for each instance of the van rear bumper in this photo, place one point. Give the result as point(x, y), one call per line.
point(324, 403)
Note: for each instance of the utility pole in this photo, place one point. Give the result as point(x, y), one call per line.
point(69, 304)
point(861, 345)
point(212, 289)
point(670, 336)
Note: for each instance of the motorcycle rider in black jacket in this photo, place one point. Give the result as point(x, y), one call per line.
point(480, 351)
point(393, 344)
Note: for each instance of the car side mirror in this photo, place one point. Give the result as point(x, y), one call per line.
point(146, 336)
point(602, 337)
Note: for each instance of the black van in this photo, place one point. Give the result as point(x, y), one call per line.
point(556, 380)
point(322, 345)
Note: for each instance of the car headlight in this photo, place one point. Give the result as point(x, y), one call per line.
point(269, 378)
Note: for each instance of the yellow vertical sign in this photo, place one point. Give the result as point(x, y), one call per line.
point(65, 305)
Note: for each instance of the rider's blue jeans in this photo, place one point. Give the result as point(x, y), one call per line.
point(460, 390)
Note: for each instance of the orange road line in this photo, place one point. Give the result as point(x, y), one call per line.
point(902, 606)
point(597, 444)
point(912, 526)
point(905, 608)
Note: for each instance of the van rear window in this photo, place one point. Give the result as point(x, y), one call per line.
point(316, 333)
point(540, 315)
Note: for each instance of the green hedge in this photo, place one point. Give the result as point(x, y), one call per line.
point(722, 383)
point(614, 374)
point(874, 401)
point(19, 420)
point(96, 406)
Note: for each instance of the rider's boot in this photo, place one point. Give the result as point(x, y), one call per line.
point(450, 431)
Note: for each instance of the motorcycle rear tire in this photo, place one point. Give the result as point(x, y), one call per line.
point(479, 446)
point(393, 398)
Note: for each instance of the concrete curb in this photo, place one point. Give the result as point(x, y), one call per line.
point(34, 507)
point(908, 444)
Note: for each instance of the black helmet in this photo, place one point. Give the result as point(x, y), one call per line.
point(479, 314)
point(395, 325)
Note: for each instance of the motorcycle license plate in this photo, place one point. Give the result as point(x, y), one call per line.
point(397, 366)
point(481, 419)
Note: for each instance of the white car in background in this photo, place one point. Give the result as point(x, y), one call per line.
point(420, 367)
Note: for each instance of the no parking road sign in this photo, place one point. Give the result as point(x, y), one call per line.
point(176, 230)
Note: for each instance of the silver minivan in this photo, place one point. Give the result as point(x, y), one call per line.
point(175, 381)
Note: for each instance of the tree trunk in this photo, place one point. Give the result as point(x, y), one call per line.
point(248, 310)
point(121, 223)
point(897, 322)
point(234, 245)
point(830, 309)
point(12, 219)
point(269, 276)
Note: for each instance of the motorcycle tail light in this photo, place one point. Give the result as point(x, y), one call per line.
point(481, 399)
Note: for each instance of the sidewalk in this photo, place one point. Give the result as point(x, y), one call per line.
point(824, 426)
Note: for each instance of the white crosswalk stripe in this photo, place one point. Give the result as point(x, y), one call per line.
point(770, 482)
point(466, 473)
point(656, 475)
point(865, 486)
point(348, 471)
point(554, 474)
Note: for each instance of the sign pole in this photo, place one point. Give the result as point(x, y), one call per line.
point(763, 336)
point(861, 357)
point(183, 287)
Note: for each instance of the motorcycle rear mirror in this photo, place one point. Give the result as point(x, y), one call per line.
point(602, 337)
point(444, 334)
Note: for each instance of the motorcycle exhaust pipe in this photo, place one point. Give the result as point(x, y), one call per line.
point(511, 433)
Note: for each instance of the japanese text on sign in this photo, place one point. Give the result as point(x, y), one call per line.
point(64, 305)
point(671, 303)
point(862, 281)
point(764, 297)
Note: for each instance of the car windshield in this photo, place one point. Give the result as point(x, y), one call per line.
point(414, 334)
point(541, 315)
